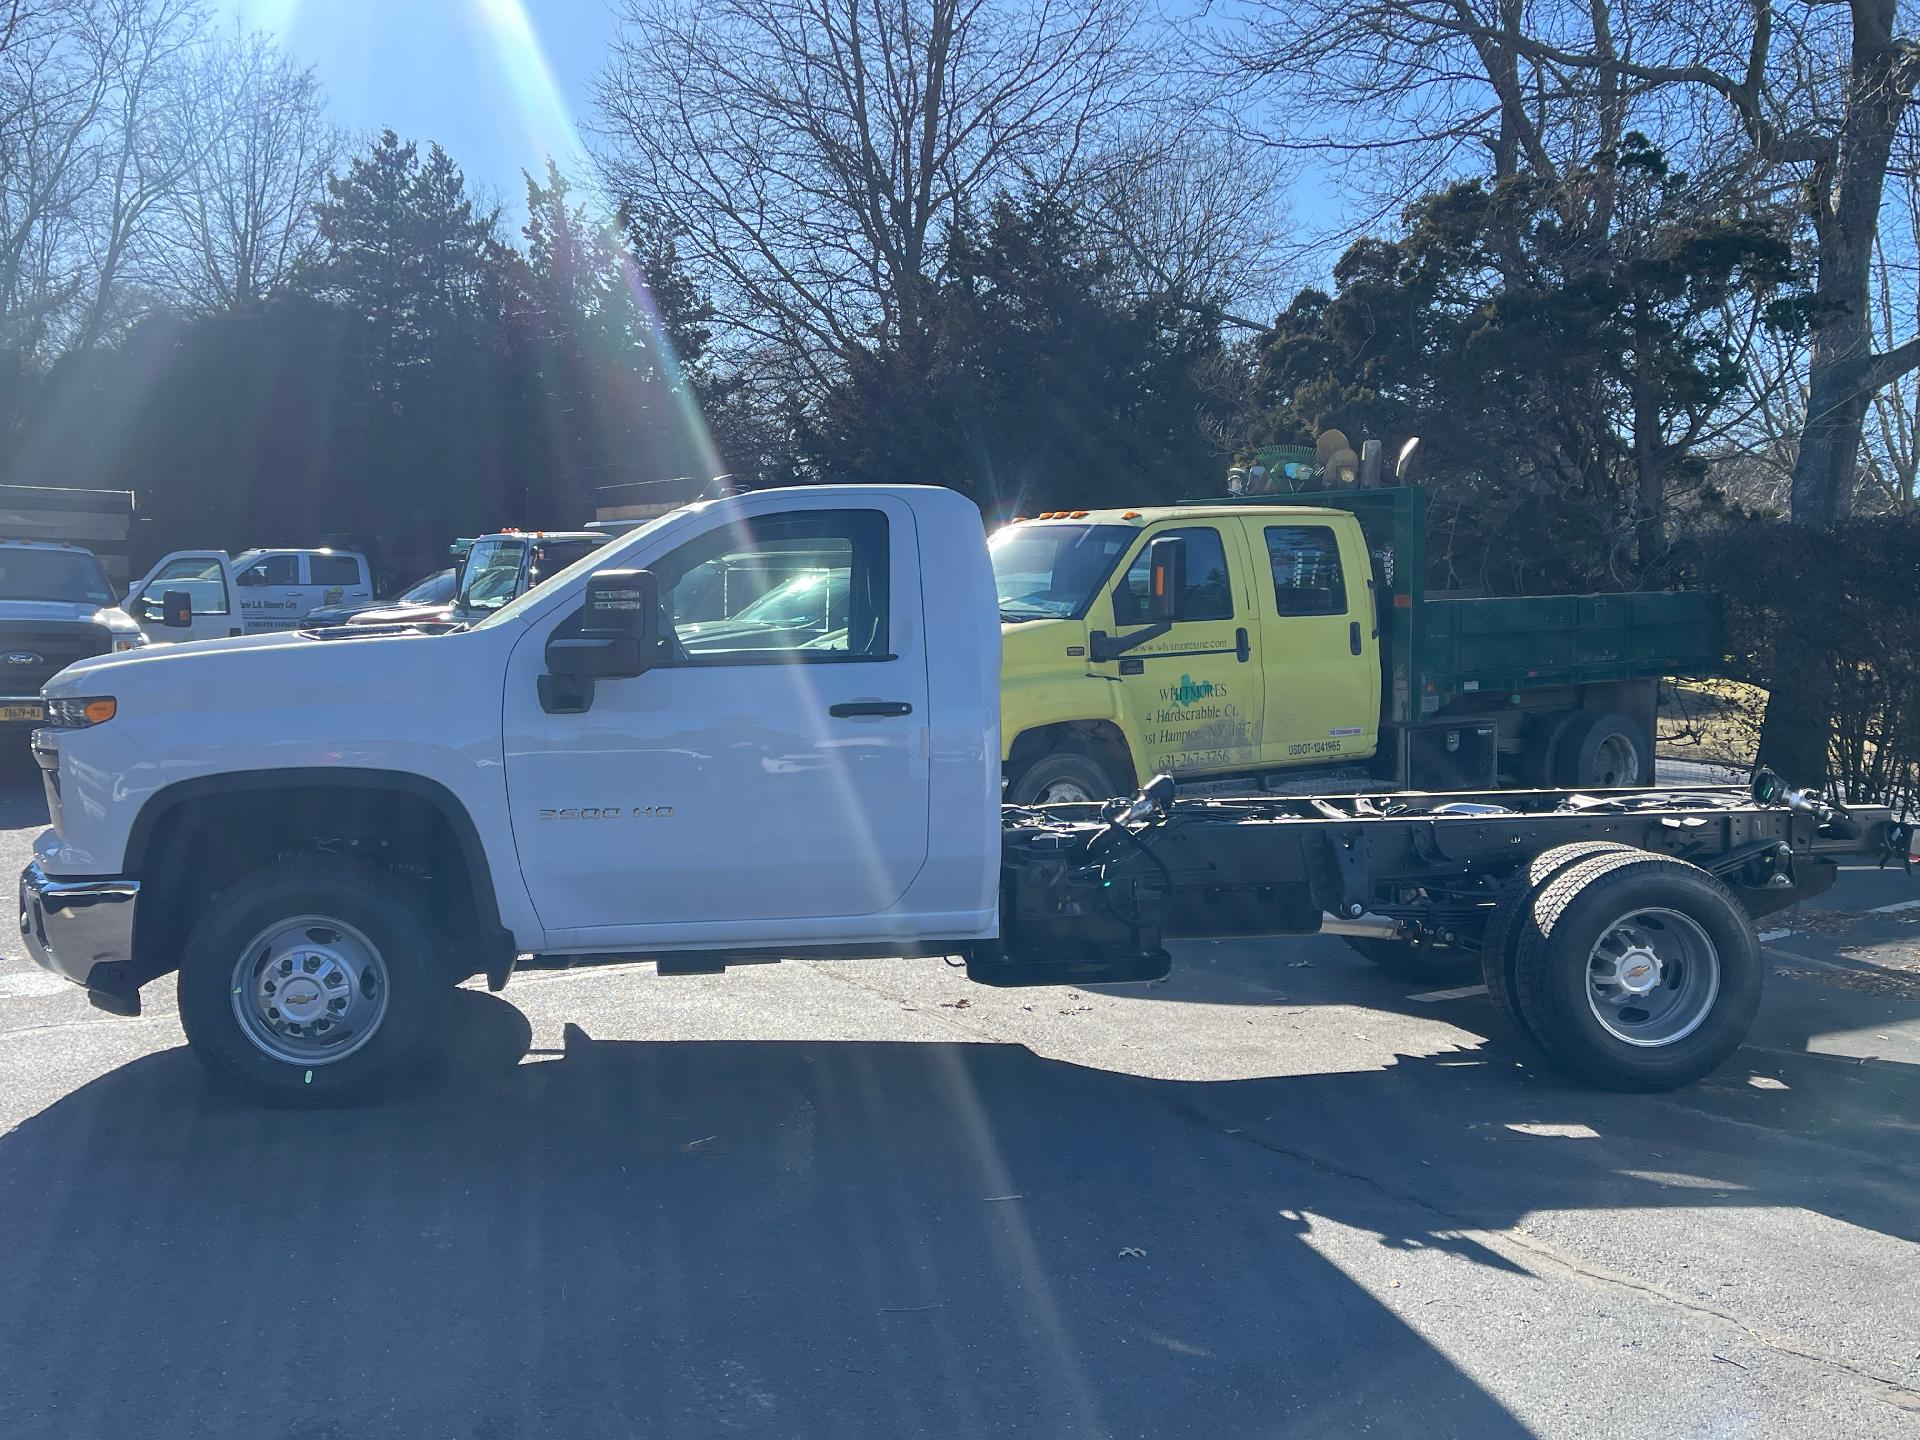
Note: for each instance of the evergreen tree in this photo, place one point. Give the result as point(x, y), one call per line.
point(1041, 379)
point(1563, 378)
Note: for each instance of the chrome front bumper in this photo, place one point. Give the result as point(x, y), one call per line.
point(74, 927)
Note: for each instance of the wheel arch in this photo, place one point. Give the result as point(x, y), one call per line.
point(299, 806)
point(1104, 738)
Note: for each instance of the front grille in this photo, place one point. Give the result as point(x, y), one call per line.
point(53, 645)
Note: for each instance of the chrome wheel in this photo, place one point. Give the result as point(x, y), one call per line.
point(1653, 977)
point(1617, 763)
point(310, 991)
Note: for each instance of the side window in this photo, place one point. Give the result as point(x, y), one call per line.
point(1306, 570)
point(1209, 592)
point(333, 570)
point(271, 570)
point(810, 585)
point(551, 558)
point(199, 578)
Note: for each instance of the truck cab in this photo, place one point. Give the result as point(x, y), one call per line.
point(530, 785)
point(496, 568)
point(1305, 649)
point(1273, 662)
point(56, 607)
point(251, 593)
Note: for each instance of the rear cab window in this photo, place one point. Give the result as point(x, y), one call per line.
point(1308, 577)
point(274, 570)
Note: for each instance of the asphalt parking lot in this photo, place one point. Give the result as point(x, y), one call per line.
point(1278, 1195)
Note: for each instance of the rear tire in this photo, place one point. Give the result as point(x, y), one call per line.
point(1604, 751)
point(1638, 971)
point(1413, 959)
point(315, 981)
point(1512, 914)
point(1061, 777)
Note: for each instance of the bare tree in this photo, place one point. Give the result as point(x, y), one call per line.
point(93, 99)
point(1199, 215)
point(1752, 457)
point(1811, 96)
point(1890, 458)
point(813, 152)
point(239, 223)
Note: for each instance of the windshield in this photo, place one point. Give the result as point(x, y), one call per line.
point(493, 573)
point(1052, 571)
point(436, 589)
point(70, 575)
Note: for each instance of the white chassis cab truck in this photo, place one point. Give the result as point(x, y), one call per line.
point(325, 832)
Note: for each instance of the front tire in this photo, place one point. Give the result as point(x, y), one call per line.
point(315, 981)
point(1062, 777)
point(1638, 971)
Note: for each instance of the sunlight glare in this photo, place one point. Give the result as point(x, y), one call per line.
point(536, 95)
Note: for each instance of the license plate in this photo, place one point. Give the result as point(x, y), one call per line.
point(35, 711)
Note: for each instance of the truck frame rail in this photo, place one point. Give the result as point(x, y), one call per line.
point(1092, 893)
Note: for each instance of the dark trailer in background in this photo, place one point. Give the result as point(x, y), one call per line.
point(97, 520)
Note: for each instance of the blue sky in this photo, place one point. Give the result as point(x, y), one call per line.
point(499, 83)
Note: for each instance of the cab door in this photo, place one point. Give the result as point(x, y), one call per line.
point(203, 574)
point(1319, 642)
point(1193, 694)
point(756, 773)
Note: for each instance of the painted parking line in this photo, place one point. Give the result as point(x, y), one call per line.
point(1430, 996)
point(1894, 909)
point(31, 982)
point(1799, 959)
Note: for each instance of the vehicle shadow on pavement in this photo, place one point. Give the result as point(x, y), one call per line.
point(1784, 1096)
point(689, 1237)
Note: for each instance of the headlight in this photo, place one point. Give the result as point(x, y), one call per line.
point(77, 712)
point(128, 642)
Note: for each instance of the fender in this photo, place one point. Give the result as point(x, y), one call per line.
point(1027, 705)
point(473, 855)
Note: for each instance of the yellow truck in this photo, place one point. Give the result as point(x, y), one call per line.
point(1302, 647)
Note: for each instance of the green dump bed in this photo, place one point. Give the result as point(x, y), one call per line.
point(1522, 643)
point(1434, 650)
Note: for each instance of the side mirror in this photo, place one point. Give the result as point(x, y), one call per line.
point(1167, 579)
point(619, 628)
point(176, 610)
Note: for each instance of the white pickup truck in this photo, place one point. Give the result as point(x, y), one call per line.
point(325, 831)
point(245, 594)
